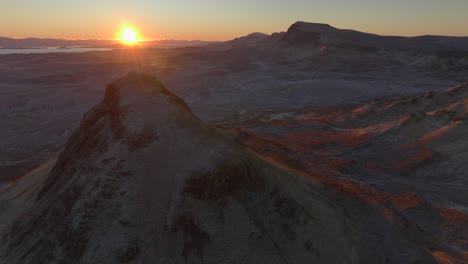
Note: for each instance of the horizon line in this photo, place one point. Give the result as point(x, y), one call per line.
point(242, 35)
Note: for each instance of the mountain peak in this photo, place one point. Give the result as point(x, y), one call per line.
point(136, 87)
point(311, 27)
point(304, 33)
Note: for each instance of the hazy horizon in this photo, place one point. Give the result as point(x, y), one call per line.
point(221, 20)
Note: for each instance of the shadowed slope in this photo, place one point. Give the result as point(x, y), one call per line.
point(316, 33)
point(404, 155)
point(145, 181)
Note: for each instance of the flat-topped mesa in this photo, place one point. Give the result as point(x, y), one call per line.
point(307, 33)
point(301, 33)
point(311, 27)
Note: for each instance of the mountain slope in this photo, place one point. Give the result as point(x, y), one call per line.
point(145, 181)
point(405, 154)
point(315, 33)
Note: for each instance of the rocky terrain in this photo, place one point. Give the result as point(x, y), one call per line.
point(404, 155)
point(143, 180)
point(313, 145)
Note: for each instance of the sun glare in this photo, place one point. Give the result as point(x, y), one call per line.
point(128, 35)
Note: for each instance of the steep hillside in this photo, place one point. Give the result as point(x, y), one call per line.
point(145, 181)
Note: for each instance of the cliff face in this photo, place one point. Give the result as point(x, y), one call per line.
point(145, 181)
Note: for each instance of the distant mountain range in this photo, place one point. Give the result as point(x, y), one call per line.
point(303, 33)
point(47, 42)
point(300, 33)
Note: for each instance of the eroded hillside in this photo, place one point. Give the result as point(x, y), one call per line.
point(143, 180)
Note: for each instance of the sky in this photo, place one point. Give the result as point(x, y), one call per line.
point(223, 20)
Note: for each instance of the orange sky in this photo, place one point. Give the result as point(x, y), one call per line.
point(222, 20)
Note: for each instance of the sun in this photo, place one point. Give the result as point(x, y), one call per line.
point(128, 35)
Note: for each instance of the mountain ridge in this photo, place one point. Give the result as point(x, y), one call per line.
point(316, 33)
point(306, 33)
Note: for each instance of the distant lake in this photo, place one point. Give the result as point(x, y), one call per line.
point(50, 50)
